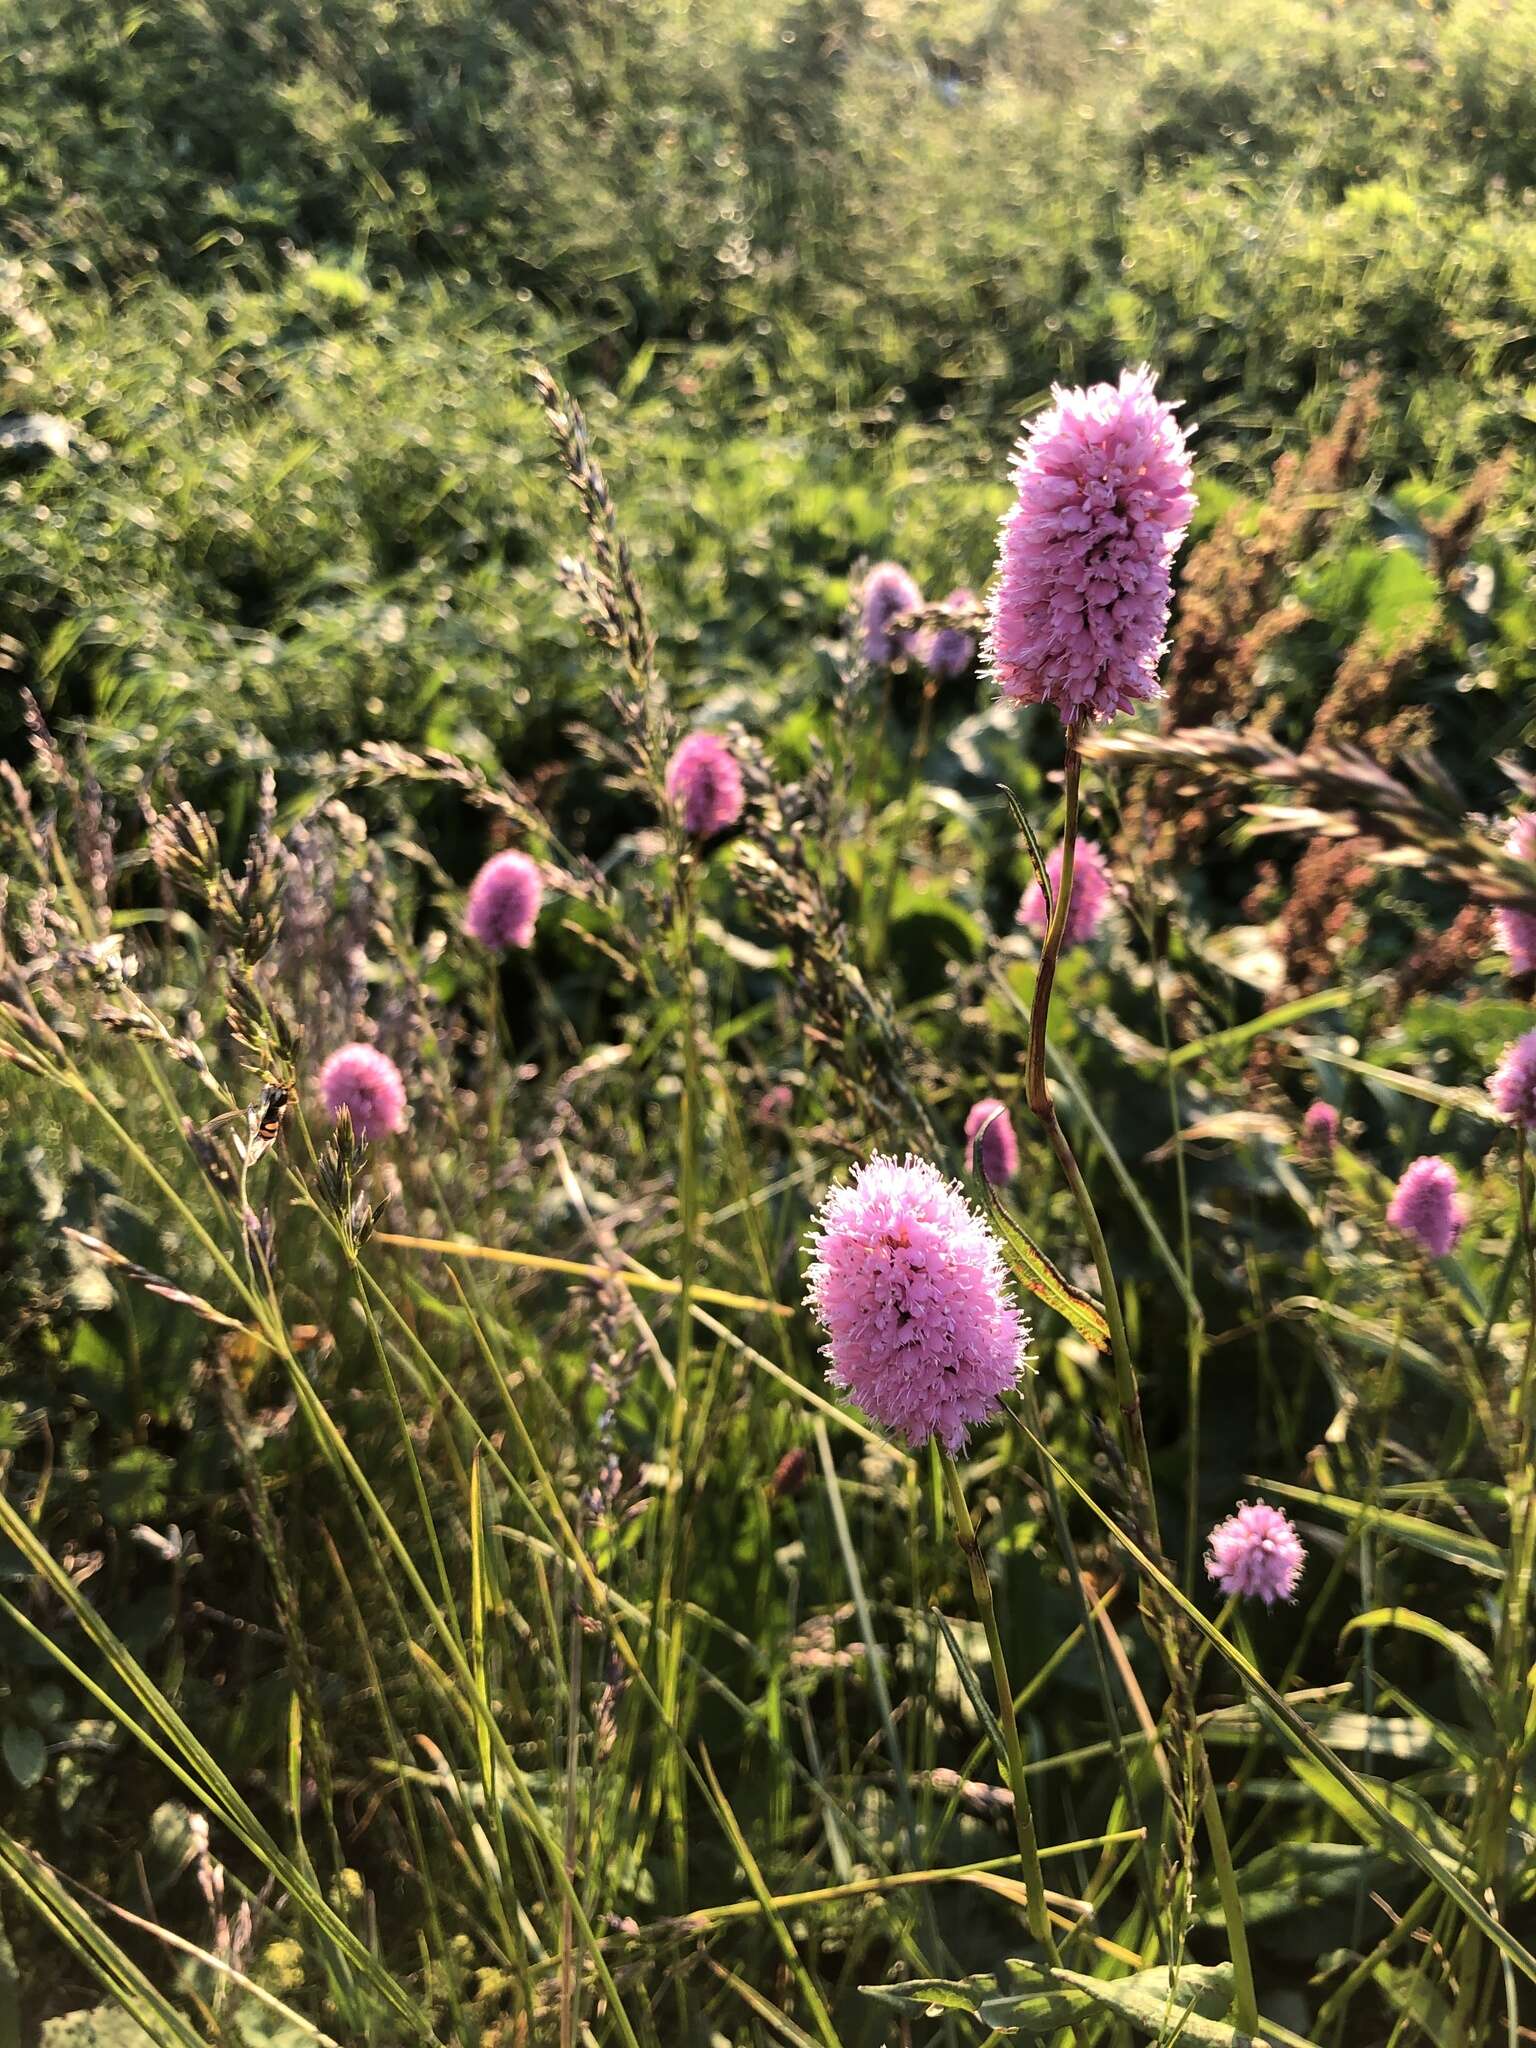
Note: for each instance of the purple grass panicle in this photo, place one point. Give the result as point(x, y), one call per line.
point(704, 782)
point(1512, 1084)
point(365, 1082)
point(1517, 928)
point(504, 901)
point(1256, 1554)
point(889, 593)
point(1090, 894)
point(1320, 1130)
point(989, 1131)
point(1427, 1206)
point(1085, 556)
point(946, 651)
point(909, 1283)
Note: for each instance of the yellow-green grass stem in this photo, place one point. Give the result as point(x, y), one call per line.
point(1023, 1818)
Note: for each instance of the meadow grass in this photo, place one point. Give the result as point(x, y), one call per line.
point(444, 1598)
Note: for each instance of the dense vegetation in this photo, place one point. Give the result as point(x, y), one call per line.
point(400, 1648)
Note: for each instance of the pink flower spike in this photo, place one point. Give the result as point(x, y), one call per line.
point(888, 593)
point(1427, 1206)
point(945, 651)
point(989, 1129)
point(909, 1284)
point(1320, 1129)
point(1090, 894)
point(704, 781)
point(504, 901)
point(366, 1083)
point(1517, 928)
point(1256, 1554)
point(1085, 556)
point(775, 1104)
point(1512, 1084)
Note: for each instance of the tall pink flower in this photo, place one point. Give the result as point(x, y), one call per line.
point(1085, 556)
point(704, 782)
point(989, 1129)
point(1090, 894)
point(1512, 1084)
point(946, 650)
point(1426, 1205)
point(889, 593)
point(1256, 1554)
point(910, 1286)
point(504, 901)
point(1517, 928)
point(365, 1082)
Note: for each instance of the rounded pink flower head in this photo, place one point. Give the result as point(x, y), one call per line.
point(1256, 1554)
point(775, 1103)
point(910, 1286)
point(989, 1128)
point(946, 651)
point(366, 1083)
point(1320, 1129)
point(889, 593)
point(1512, 1084)
point(1084, 560)
point(1517, 928)
point(504, 901)
point(1090, 894)
point(1427, 1206)
point(704, 782)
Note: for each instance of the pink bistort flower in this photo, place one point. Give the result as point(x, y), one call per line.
point(1512, 1084)
point(1085, 555)
point(1320, 1129)
point(1090, 894)
point(946, 651)
point(366, 1083)
point(889, 593)
point(1427, 1206)
point(909, 1284)
point(989, 1129)
point(504, 901)
point(1256, 1554)
point(704, 782)
point(1517, 928)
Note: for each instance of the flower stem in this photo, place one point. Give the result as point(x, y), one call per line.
point(1023, 1818)
point(1037, 1092)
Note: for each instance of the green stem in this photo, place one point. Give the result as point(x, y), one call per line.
point(1018, 1785)
point(1127, 1389)
point(1246, 1997)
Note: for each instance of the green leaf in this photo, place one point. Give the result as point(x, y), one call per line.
point(1271, 1020)
point(1188, 2008)
point(1402, 1804)
point(1296, 1877)
point(1472, 1553)
point(1032, 2000)
point(26, 1754)
point(133, 1486)
point(104, 2026)
point(1042, 1277)
point(1032, 847)
point(1040, 2000)
point(974, 1692)
point(1473, 1661)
